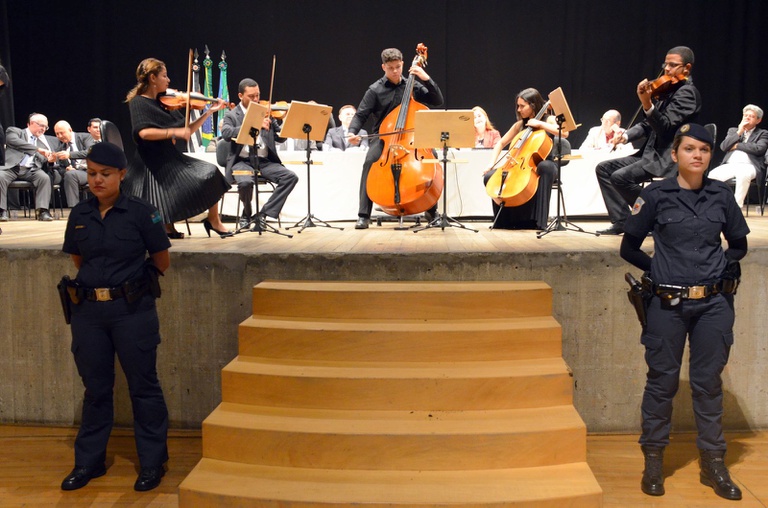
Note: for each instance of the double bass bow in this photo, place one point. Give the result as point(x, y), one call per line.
point(516, 181)
point(399, 182)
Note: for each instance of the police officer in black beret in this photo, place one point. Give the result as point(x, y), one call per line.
point(691, 280)
point(112, 306)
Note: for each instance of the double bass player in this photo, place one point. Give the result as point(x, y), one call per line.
point(381, 97)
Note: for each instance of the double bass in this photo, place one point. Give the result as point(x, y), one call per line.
point(399, 182)
point(516, 181)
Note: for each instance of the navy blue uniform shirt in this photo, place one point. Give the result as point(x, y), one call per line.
point(686, 226)
point(114, 249)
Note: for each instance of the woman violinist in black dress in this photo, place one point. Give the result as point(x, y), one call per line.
point(178, 185)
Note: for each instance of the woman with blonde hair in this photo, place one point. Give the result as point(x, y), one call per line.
point(178, 185)
point(485, 134)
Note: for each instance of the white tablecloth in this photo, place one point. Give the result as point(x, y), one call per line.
point(335, 182)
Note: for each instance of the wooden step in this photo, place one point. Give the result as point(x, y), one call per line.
point(427, 386)
point(417, 340)
point(402, 300)
point(217, 483)
point(415, 440)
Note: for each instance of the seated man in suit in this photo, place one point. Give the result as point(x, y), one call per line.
point(28, 156)
point(71, 159)
point(337, 138)
point(269, 164)
point(745, 148)
point(94, 129)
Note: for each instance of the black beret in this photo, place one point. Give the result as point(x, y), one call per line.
point(696, 131)
point(107, 154)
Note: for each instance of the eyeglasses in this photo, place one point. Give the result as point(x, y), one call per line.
point(45, 127)
point(672, 65)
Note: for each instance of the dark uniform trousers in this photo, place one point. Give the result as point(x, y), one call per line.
point(99, 330)
point(708, 323)
point(284, 179)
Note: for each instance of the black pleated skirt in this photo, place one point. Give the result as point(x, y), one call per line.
point(178, 185)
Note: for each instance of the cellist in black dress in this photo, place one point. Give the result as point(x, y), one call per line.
point(533, 214)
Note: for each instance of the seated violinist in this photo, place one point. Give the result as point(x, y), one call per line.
point(534, 213)
point(268, 163)
point(668, 102)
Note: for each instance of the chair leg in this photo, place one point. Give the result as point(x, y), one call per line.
point(189, 231)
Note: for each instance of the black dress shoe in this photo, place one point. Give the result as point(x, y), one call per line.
point(260, 224)
point(362, 223)
point(44, 215)
point(3, 216)
point(149, 478)
point(615, 229)
point(80, 476)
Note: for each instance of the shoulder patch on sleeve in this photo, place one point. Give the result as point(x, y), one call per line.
point(639, 202)
point(156, 217)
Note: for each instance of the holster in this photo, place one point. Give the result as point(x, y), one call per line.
point(63, 287)
point(638, 297)
point(153, 277)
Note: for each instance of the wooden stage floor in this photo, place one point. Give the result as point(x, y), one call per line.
point(30, 234)
point(36, 459)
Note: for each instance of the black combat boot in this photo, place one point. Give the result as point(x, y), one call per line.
point(653, 476)
point(714, 474)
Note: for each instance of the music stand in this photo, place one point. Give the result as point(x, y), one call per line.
point(565, 123)
point(249, 135)
point(451, 128)
point(308, 121)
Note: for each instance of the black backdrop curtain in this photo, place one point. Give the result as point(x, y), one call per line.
point(74, 62)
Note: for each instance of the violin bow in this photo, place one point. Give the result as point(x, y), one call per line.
point(189, 87)
point(271, 85)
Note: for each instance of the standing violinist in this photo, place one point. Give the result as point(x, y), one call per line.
point(667, 103)
point(534, 213)
point(384, 95)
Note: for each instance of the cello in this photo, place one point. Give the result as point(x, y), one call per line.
point(399, 182)
point(516, 181)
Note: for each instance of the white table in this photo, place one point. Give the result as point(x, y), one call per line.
point(335, 183)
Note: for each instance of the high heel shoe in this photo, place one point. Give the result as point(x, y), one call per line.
point(209, 227)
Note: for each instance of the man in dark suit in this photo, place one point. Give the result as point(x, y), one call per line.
point(28, 156)
point(71, 159)
point(338, 137)
point(268, 164)
point(745, 147)
point(665, 112)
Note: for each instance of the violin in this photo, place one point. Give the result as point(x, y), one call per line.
point(516, 181)
point(664, 84)
point(278, 109)
point(400, 182)
point(173, 100)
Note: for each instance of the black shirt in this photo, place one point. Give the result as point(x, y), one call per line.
point(114, 249)
point(383, 96)
point(686, 226)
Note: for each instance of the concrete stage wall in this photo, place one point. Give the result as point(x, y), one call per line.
point(206, 296)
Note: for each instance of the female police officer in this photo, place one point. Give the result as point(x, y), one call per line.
point(692, 281)
point(113, 311)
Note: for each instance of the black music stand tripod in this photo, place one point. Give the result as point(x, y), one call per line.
point(564, 117)
point(431, 126)
point(312, 121)
point(254, 118)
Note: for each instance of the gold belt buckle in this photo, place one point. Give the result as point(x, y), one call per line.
point(697, 292)
point(102, 294)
